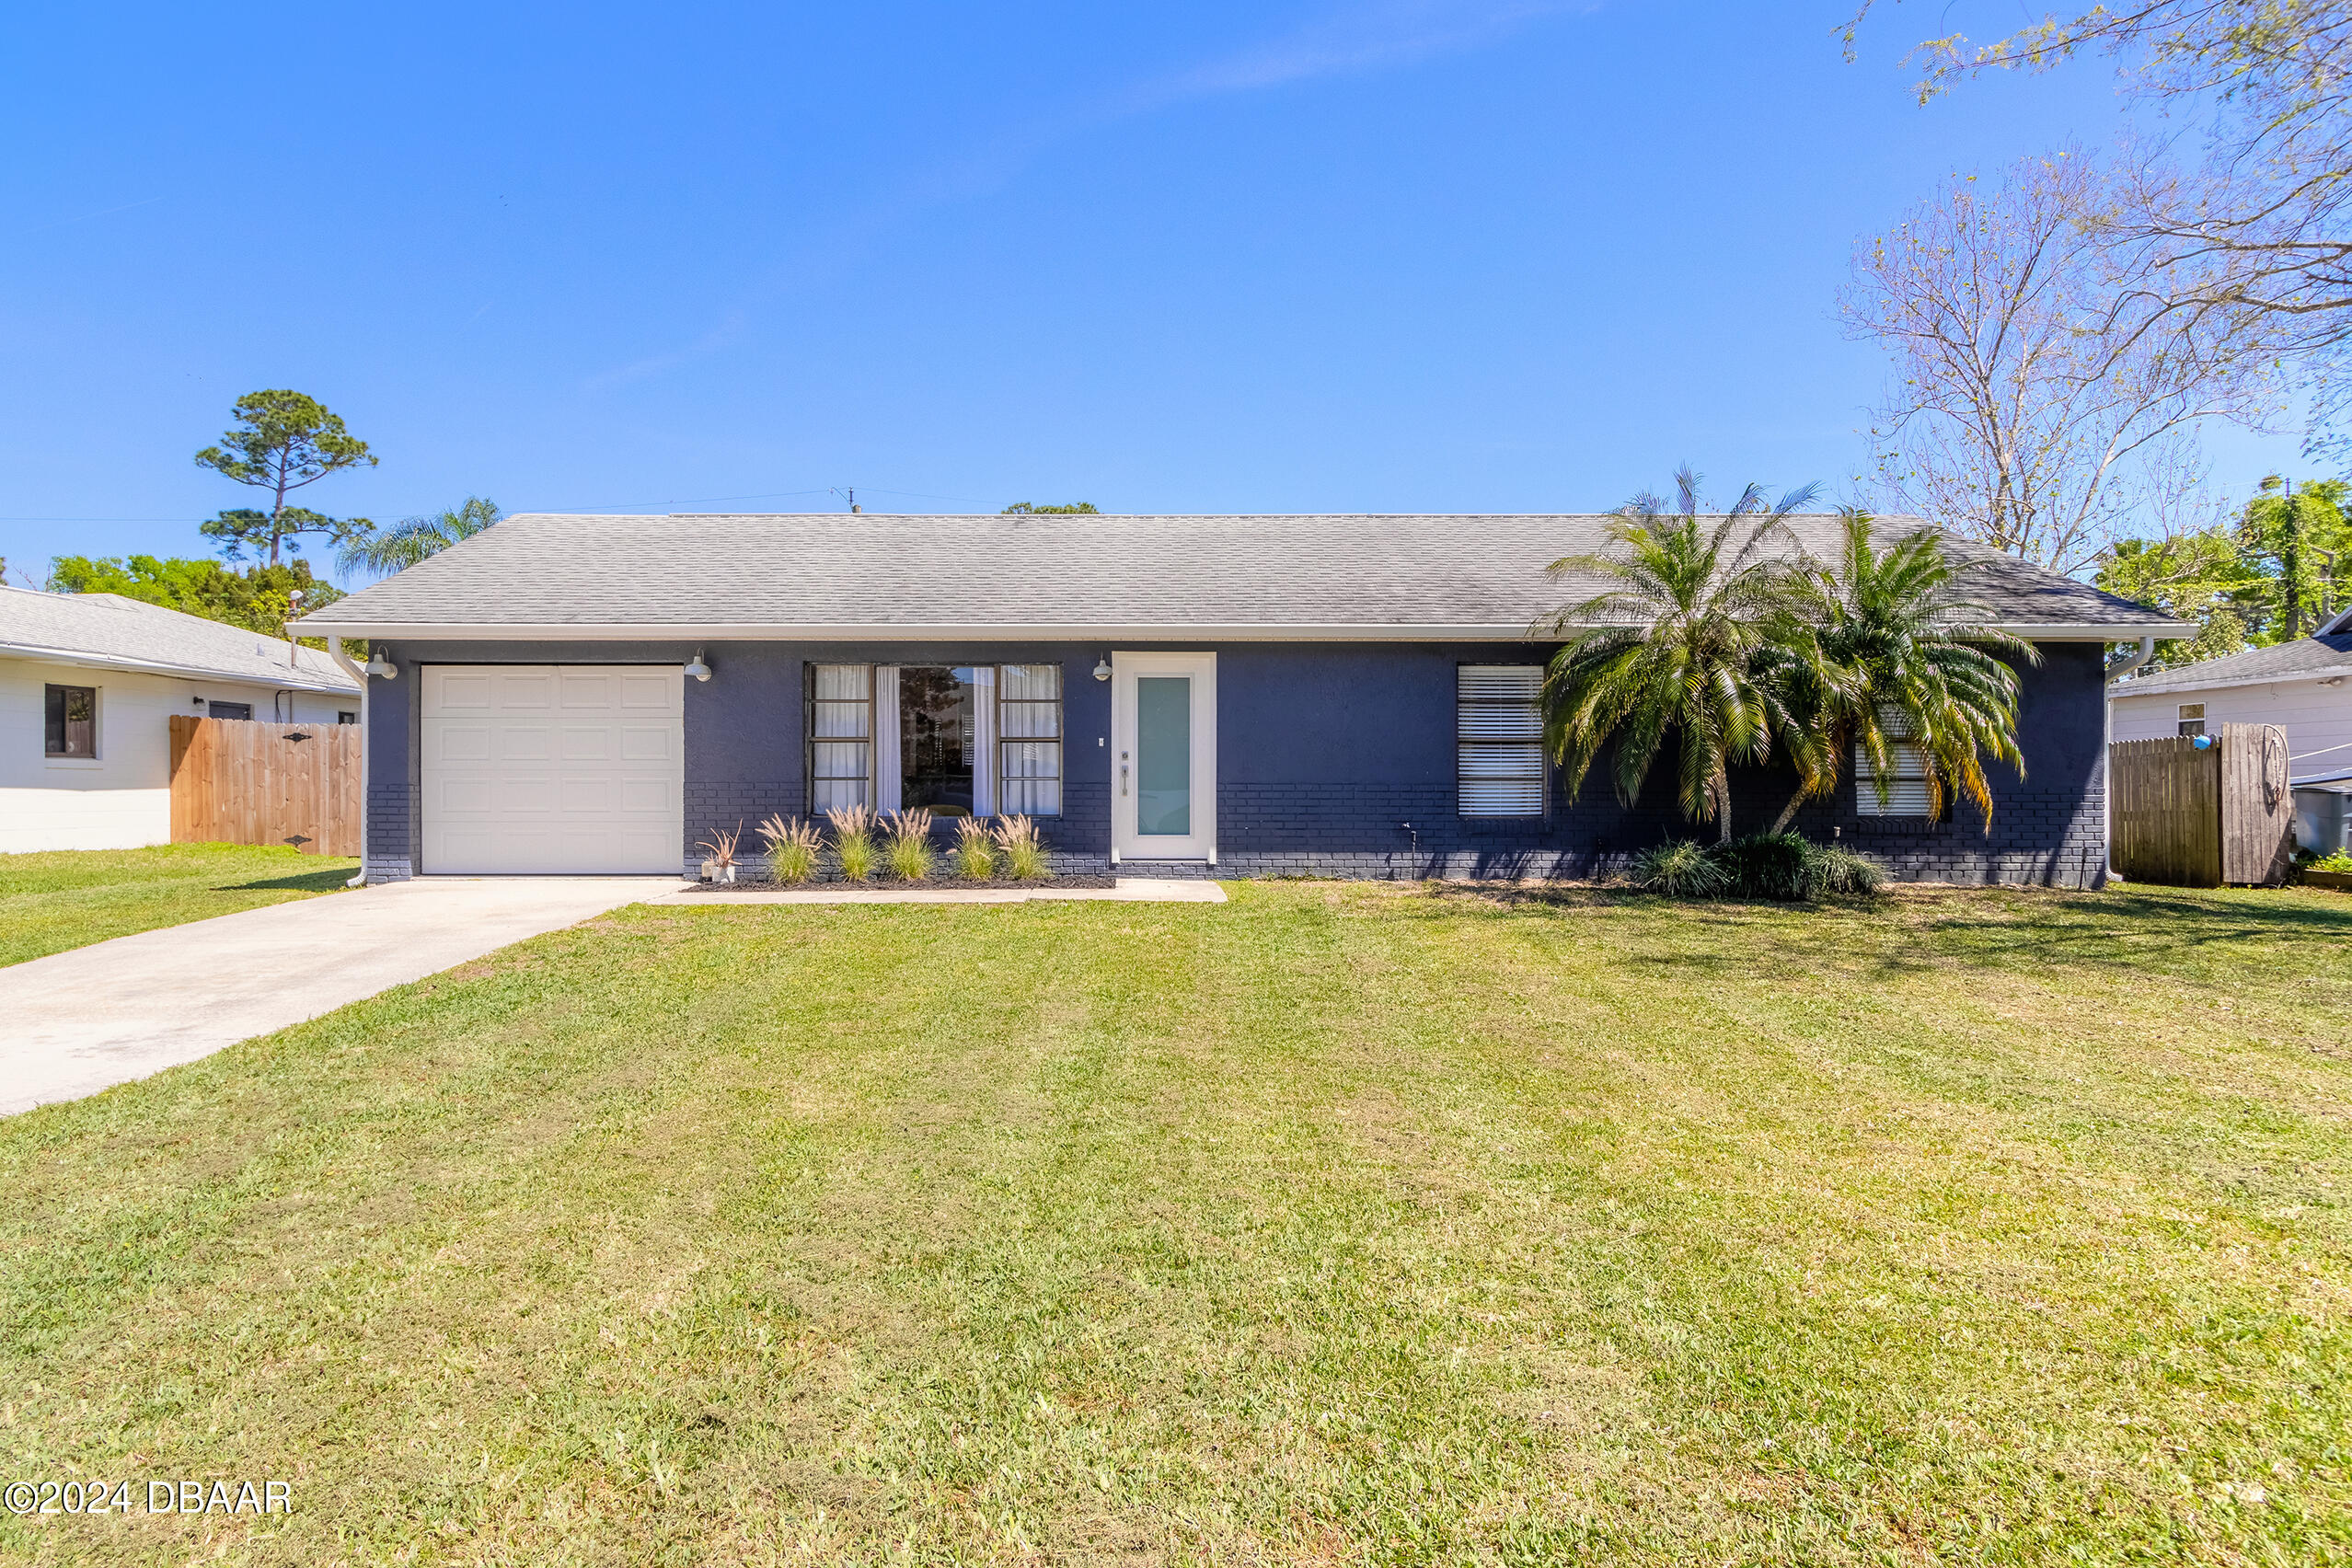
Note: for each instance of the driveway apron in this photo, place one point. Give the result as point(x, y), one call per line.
point(76, 1022)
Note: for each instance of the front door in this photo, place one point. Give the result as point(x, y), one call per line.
point(1163, 756)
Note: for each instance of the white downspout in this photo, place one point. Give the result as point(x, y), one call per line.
point(2115, 672)
point(335, 647)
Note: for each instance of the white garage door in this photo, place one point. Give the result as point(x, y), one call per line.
point(553, 768)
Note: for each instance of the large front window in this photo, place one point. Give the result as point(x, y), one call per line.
point(953, 740)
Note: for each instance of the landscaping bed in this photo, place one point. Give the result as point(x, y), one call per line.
point(893, 884)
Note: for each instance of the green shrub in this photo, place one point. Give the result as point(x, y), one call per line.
point(2334, 860)
point(1837, 869)
point(1681, 870)
point(1768, 865)
point(910, 845)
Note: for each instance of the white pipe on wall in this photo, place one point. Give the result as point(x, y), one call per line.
point(2115, 672)
point(335, 647)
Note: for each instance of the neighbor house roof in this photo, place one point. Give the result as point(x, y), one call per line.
point(113, 632)
point(2305, 659)
point(1413, 576)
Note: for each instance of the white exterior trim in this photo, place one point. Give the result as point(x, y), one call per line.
point(295, 678)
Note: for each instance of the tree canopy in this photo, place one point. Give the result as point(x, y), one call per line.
point(283, 441)
point(260, 599)
point(1031, 509)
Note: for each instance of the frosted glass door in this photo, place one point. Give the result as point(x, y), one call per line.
point(1164, 756)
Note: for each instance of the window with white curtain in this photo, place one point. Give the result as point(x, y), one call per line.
point(1029, 716)
point(841, 736)
point(1906, 776)
point(1498, 740)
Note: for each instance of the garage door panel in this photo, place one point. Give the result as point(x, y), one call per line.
point(552, 769)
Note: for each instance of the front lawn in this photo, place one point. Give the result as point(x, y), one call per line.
point(1332, 1225)
point(70, 898)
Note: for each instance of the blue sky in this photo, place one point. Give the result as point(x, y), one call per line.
point(1395, 254)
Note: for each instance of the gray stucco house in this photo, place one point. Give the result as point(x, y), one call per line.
point(1173, 695)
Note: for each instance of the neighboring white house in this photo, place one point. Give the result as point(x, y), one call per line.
point(2300, 687)
point(88, 683)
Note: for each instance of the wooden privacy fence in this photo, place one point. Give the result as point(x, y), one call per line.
point(241, 782)
point(2188, 817)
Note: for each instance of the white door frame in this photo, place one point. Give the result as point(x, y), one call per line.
point(1127, 842)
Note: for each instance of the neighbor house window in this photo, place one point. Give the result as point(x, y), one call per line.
point(71, 720)
point(1906, 776)
point(345, 716)
point(1498, 740)
point(2192, 719)
point(220, 710)
point(841, 736)
point(1029, 718)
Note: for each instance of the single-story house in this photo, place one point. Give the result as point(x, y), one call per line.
point(89, 683)
point(2298, 686)
point(1241, 695)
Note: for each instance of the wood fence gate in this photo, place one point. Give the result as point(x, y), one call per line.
point(241, 782)
point(2189, 816)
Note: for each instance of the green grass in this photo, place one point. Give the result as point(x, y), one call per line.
point(69, 898)
point(1334, 1225)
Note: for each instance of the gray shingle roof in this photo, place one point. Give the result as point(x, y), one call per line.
point(2309, 658)
point(1381, 575)
point(110, 629)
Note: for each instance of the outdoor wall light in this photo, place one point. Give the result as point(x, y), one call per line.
point(1102, 669)
point(381, 667)
point(697, 668)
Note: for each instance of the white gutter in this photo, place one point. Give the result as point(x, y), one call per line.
point(1000, 631)
point(2116, 670)
point(270, 676)
point(335, 648)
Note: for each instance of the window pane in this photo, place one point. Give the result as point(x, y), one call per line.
point(843, 683)
point(839, 759)
point(1031, 720)
point(1906, 781)
point(935, 738)
point(1033, 796)
point(843, 721)
point(69, 721)
point(1164, 756)
point(836, 794)
point(1498, 726)
point(1030, 683)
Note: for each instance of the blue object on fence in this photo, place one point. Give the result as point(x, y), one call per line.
point(2204, 743)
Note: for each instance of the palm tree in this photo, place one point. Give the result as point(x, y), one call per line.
point(1887, 650)
point(411, 539)
point(1671, 644)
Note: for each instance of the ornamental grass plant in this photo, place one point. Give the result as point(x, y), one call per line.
point(1024, 851)
point(909, 854)
point(853, 840)
point(793, 847)
point(975, 853)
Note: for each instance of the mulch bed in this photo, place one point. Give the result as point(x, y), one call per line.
point(879, 884)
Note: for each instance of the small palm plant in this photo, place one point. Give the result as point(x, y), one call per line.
point(1669, 647)
point(407, 542)
point(853, 840)
point(792, 847)
point(910, 844)
point(1679, 869)
point(976, 855)
point(1024, 851)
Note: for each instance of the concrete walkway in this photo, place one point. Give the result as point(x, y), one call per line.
point(76, 1022)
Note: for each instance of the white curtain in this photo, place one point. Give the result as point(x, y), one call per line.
point(889, 778)
point(984, 740)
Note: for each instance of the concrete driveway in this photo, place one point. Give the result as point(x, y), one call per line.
point(76, 1022)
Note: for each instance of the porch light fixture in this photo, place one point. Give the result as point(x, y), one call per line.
point(1102, 669)
point(697, 668)
point(381, 667)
